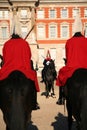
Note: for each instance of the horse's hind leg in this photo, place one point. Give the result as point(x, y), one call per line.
point(53, 89)
point(7, 128)
point(47, 91)
point(69, 110)
point(53, 94)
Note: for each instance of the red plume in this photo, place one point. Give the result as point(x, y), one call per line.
point(48, 54)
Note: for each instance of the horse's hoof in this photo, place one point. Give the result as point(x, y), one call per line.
point(47, 97)
point(53, 95)
point(60, 102)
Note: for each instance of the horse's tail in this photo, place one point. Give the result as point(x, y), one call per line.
point(84, 107)
point(17, 115)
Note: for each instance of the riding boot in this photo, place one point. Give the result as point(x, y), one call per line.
point(61, 96)
point(54, 74)
point(35, 103)
point(42, 76)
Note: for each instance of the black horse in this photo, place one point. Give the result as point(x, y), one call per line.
point(76, 99)
point(17, 99)
point(17, 95)
point(49, 78)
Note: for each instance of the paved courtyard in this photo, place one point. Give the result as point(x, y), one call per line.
point(50, 116)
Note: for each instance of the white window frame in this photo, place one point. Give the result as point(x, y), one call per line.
point(1, 14)
point(85, 12)
point(76, 12)
point(6, 14)
point(24, 13)
point(4, 32)
point(64, 33)
point(40, 14)
point(41, 33)
point(52, 31)
point(52, 13)
point(64, 13)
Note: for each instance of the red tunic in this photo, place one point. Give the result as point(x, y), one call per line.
point(76, 55)
point(17, 56)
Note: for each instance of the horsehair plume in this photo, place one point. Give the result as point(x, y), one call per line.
point(15, 24)
point(77, 27)
point(48, 54)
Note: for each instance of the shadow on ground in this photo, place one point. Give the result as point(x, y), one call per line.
point(31, 126)
point(61, 123)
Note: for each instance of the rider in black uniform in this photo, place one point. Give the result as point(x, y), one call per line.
point(46, 63)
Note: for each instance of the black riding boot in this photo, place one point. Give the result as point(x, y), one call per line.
point(55, 74)
point(35, 103)
point(61, 96)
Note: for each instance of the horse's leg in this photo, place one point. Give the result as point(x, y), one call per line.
point(47, 90)
point(69, 110)
point(53, 94)
point(7, 128)
point(53, 88)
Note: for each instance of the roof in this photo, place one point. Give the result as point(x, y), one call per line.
point(53, 1)
point(65, 1)
point(31, 2)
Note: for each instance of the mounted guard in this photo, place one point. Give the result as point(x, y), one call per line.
point(73, 76)
point(49, 75)
point(17, 55)
point(46, 62)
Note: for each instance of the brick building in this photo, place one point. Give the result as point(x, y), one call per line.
point(53, 25)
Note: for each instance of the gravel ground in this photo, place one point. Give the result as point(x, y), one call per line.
point(50, 116)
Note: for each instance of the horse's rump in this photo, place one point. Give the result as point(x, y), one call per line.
point(77, 98)
point(16, 100)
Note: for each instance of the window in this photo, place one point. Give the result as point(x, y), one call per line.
point(5, 14)
point(85, 13)
point(4, 32)
point(64, 13)
point(40, 14)
point(24, 13)
point(52, 13)
point(52, 31)
point(75, 12)
point(24, 32)
point(64, 31)
point(1, 14)
point(41, 31)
